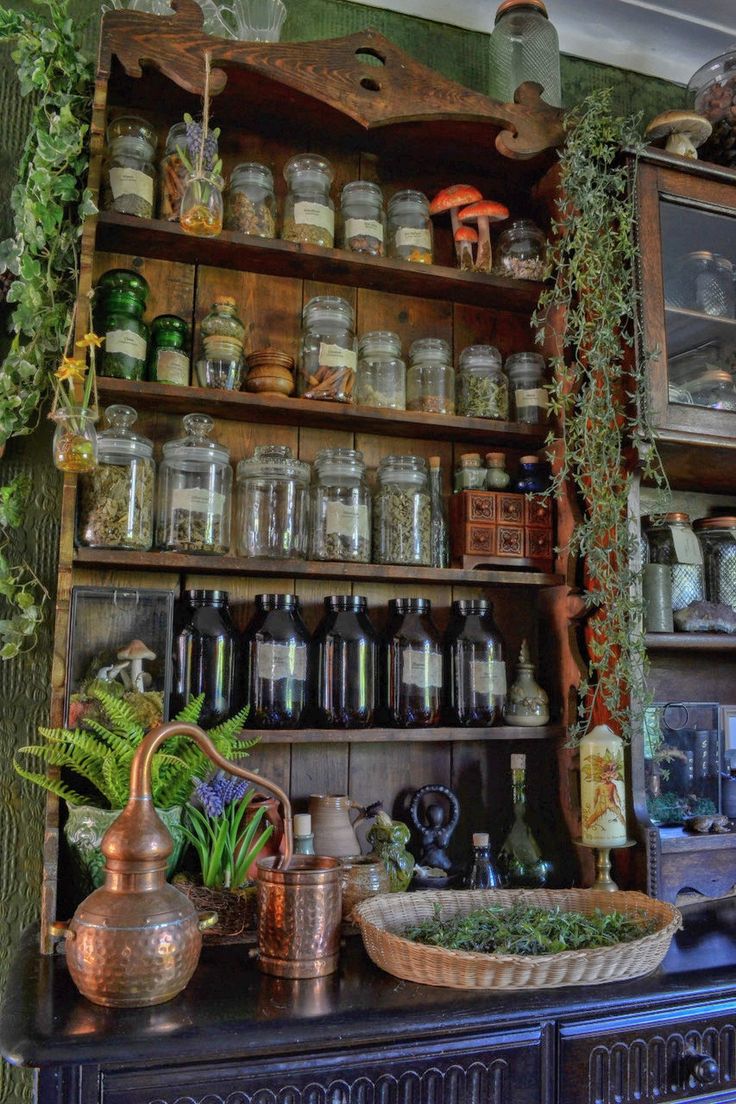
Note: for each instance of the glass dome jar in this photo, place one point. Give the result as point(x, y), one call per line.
point(363, 218)
point(328, 358)
point(410, 227)
point(381, 371)
point(475, 670)
point(714, 389)
point(341, 507)
point(121, 301)
point(483, 389)
point(411, 666)
point(430, 379)
point(273, 504)
point(704, 282)
point(276, 645)
point(195, 491)
point(521, 251)
point(309, 213)
point(714, 88)
point(526, 377)
point(344, 654)
point(524, 47)
point(250, 207)
point(222, 335)
point(116, 498)
point(402, 513)
point(129, 173)
point(672, 541)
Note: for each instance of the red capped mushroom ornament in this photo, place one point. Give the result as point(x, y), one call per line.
point(452, 199)
point(483, 213)
point(465, 238)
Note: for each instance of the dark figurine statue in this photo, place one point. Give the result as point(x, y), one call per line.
point(435, 824)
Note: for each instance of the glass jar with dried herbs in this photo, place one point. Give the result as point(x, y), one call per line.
point(121, 300)
point(410, 227)
point(273, 504)
point(309, 213)
point(195, 488)
point(483, 389)
point(328, 358)
point(341, 507)
point(402, 512)
point(363, 218)
point(129, 174)
point(250, 207)
point(430, 380)
point(116, 497)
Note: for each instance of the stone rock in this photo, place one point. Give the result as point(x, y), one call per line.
point(706, 617)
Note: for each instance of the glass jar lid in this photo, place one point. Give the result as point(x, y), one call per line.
point(269, 602)
point(522, 233)
point(522, 366)
point(117, 440)
point(176, 137)
point(308, 170)
point(430, 349)
point(339, 461)
point(169, 324)
point(123, 281)
point(470, 460)
point(465, 606)
point(714, 71)
point(134, 130)
point(196, 444)
point(480, 357)
point(252, 172)
point(206, 597)
point(380, 343)
point(662, 521)
point(403, 469)
point(714, 524)
point(362, 191)
point(409, 605)
point(330, 310)
point(715, 377)
point(273, 462)
point(408, 202)
point(346, 603)
point(704, 259)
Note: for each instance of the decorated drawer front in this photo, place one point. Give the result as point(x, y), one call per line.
point(689, 1059)
point(506, 1070)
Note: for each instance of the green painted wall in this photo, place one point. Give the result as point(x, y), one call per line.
point(461, 55)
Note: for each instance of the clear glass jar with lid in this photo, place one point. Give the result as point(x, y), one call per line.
point(430, 379)
point(521, 251)
point(121, 300)
point(222, 334)
point(526, 377)
point(410, 227)
point(250, 206)
point(411, 665)
point(116, 498)
point(309, 213)
point(524, 47)
point(715, 389)
point(328, 357)
point(341, 507)
point(714, 88)
point(363, 218)
point(483, 389)
point(130, 174)
point(470, 475)
point(194, 491)
point(718, 540)
point(672, 541)
point(402, 512)
point(273, 504)
point(475, 669)
point(381, 371)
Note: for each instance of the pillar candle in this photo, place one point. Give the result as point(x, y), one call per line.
point(602, 789)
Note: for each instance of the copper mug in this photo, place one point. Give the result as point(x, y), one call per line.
point(299, 916)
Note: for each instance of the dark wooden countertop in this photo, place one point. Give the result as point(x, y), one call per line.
point(230, 1010)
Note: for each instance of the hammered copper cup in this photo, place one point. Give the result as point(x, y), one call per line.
point(299, 916)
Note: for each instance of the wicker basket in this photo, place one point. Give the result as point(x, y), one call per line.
point(236, 910)
point(382, 917)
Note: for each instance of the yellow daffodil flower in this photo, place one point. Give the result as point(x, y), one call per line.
point(71, 369)
point(88, 340)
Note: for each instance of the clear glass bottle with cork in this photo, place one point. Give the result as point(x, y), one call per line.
point(520, 858)
point(439, 539)
point(470, 475)
point(482, 874)
point(497, 478)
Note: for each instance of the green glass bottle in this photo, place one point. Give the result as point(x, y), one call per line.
point(121, 301)
point(520, 857)
point(168, 359)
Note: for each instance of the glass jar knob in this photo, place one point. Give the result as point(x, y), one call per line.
point(198, 425)
point(119, 416)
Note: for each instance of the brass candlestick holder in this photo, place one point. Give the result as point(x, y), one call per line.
point(603, 879)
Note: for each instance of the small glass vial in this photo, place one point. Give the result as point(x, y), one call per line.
point(195, 488)
point(482, 874)
point(673, 542)
point(470, 475)
point(526, 376)
point(533, 477)
point(276, 646)
point(402, 512)
point(410, 227)
point(524, 47)
point(381, 371)
point(430, 380)
point(328, 357)
point(521, 251)
point(250, 206)
point(475, 671)
point(168, 359)
point(130, 173)
point(363, 218)
point(206, 656)
point(497, 478)
point(273, 504)
point(341, 507)
point(309, 213)
point(121, 300)
point(202, 212)
point(412, 672)
point(344, 653)
point(483, 389)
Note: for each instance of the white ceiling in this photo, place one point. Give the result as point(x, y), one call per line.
point(669, 39)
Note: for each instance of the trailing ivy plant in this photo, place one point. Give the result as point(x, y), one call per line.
point(23, 593)
point(599, 394)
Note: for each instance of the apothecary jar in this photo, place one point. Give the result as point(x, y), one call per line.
point(116, 498)
point(402, 520)
point(273, 504)
point(195, 491)
point(483, 389)
point(430, 380)
point(381, 371)
point(672, 541)
point(250, 206)
point(130, 173)
point(341, 507)
point(309, 213)
point(328, 356)
point(410, 227)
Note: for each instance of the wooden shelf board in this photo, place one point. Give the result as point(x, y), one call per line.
point(166, 240)
point(688, 642)
point(689, 329)
point(310, 569)
point(674, 840)
point(402, 735)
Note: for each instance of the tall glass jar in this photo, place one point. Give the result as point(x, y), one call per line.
point(475, 671)
point(168, 358)
point(276, 646)
point(273, 504)
point(341, 507)
point(483, 389)
point(410, 227)
point(718, 540)
point(439, 533)
point(524, 47)
point(206, 656)
point(672, 541)
point(363, 218)
point(430, 380)
point(344, 664)
point(129, 173)
point(520, 251)
point(526, 376)
point(116, 498)
point(250, 207)
point(309, 213)
point(121, 300)
point(412, 674)
point(328, 358)
point(381, 371)
point(194, 491)
point(402, 513)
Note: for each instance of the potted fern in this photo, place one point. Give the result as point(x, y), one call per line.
point(89, 769)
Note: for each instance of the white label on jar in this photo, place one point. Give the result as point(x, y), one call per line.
point(172, 366)
point(347, 519)
point(687, 546)
point(531, 396)
point(280, 661)
point(131, 182)
point(127, 343)
point(198, 500)
point(489, 677)
point(315, 214)
point(419, 239)
point(423, 669)
point(358, 228)
point(334, 356)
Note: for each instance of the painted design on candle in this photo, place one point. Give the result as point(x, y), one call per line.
point(602, 784)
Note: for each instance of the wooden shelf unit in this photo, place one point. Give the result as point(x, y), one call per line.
point(691, 642)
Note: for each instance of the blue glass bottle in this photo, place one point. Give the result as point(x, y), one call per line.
point(533, 477)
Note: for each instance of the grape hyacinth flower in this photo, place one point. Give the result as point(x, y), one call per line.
point(219, 793)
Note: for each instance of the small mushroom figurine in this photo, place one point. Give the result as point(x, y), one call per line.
point(452, 199)
point(484, 212)
point(136, 651)
point(685, 131)
point(465, 238)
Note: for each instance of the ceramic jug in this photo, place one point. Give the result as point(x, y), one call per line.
point(334, 832)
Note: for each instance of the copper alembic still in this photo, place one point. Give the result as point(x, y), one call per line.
point(136, 941)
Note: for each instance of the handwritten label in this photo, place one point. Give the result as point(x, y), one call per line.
point(172, 366)
point(281, 661)
point(198, 500)
point(489, 677)
point(334, 356)
point(422, 669)
point(687, 546)
point(531, 396)
point(358, 228)
point(347, 519)
point(131, 182)
point(315, 214)
point(416, 239)
point(126, 343)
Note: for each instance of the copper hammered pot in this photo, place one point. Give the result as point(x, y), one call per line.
point(299, 916)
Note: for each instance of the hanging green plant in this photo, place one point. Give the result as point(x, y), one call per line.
point(22, 592)
point(599, 394)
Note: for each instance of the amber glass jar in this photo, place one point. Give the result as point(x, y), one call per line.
point(344, 664)
point(411, 667)
point(276, 651)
